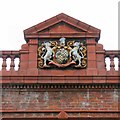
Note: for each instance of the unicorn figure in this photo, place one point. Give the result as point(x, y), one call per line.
point(48, 54)
point(74, 53)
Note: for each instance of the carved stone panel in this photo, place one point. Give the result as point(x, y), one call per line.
point(62, 53)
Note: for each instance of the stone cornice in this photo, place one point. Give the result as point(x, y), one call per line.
point(68, 86)
point(55, 114)
point(113, 79)
point(58, 35)
point(57, 111)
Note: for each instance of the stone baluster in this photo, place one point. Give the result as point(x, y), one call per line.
point(105, 64)
point(4, 65)
point(12, 65)
point(119, 63)
point(112, 65)
point(19, 64)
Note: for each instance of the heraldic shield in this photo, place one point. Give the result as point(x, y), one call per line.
point(61, 54)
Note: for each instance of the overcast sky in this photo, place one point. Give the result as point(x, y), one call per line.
point(18, 15)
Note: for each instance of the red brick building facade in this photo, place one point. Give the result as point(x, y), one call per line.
point(65, 87)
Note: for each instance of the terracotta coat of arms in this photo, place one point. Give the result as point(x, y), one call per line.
point(61, 55)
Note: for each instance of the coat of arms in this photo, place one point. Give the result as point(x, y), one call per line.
point(62, 54)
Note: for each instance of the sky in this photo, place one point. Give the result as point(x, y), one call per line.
point(18, 15)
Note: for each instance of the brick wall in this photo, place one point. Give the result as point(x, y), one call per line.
point(57, 100)
point(87, 99)
point(55, 93)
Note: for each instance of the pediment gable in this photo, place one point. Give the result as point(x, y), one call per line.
point(61, 27)
point(61, 24)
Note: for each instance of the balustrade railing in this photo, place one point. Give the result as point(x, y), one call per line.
point(12, 55)
point(112, 54)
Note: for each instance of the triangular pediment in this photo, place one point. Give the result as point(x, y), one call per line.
point(61, 27)
point(62, 24)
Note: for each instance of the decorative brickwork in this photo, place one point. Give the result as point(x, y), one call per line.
point(54, 86)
